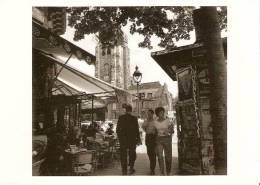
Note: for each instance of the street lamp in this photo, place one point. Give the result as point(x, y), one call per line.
point(137, 75)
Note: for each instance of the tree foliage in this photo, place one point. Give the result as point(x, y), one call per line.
point(170, 24)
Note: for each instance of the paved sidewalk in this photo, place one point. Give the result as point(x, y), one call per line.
point(141, 164)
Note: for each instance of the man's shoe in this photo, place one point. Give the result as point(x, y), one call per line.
point(152, 173)
point(131, 171)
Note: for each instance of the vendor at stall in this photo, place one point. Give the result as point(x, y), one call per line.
point(74, 136)
point(91, 130)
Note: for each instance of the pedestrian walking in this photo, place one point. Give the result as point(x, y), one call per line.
point(128, 134)
point(150, 138)
point(164, 140)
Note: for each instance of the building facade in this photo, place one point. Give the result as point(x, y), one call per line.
point(112, 64)
point(151, 95)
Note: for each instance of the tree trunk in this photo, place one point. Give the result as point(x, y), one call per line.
point(208, 31)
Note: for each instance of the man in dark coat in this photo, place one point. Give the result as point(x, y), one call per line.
point(128, 133)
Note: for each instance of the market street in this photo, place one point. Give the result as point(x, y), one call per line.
point(142, 162)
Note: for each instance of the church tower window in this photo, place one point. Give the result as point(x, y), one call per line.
point(103, 52)
point(108, 51)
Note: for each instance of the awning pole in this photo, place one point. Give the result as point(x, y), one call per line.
point(63, 67)
point(58, 88)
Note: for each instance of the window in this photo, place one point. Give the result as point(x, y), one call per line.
point(106, 69)
point(107, 72)
point(113, 106)
point(141, 95)
point(108, 51)
point(103, 52)
point(149, 95)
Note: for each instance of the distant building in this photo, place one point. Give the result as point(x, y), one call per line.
point(113, 66)
point(152, 95)
point(112, 63)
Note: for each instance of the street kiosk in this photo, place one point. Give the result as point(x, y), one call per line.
point(188, 66)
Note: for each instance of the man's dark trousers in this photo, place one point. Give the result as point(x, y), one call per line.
point(127, 150)
point(128, 134)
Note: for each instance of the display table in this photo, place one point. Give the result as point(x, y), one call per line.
point(104, 149)
point(71, 158)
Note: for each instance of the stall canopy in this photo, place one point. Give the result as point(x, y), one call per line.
point(68, 80)
point(61, 88)
point(170, 58)
point(96, 104)
point(76, 82)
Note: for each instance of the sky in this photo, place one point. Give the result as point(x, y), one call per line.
point(140, 57)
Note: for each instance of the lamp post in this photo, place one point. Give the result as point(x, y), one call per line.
point(137, 76)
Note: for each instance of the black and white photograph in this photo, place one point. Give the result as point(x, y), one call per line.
point(130, 92)
point(102, 108)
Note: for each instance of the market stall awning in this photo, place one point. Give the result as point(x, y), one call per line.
point(170, 58)
point(96, 104)
point(79, 81)
point(61, 88)
point(167, 59)
point(50, 43)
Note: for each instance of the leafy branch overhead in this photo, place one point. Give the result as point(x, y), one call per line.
point(170, 24)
